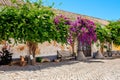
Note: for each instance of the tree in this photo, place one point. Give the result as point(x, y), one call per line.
point(114, 27)
point(29, 23)
point(62, 25)
point(84, 31)
point(103, 35)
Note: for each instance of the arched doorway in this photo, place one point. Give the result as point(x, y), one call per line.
point(86, 50)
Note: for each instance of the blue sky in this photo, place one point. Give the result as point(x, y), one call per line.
point(104, 9)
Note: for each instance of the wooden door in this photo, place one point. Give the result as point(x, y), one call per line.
point(86, 50)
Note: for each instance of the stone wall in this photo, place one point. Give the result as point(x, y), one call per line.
point(115, 48)
point(9, 3)
point(75, 15)
point(44, 49)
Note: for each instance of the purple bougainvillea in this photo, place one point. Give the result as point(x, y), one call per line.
point(61, 18)
point(62, 24)
point(83, 29)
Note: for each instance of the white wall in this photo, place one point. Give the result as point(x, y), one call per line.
point(44, 49)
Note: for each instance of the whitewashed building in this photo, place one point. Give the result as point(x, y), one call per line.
point(50, 49)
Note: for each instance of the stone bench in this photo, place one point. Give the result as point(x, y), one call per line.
point(115, 53)
point(112, 54)
point(63, 55)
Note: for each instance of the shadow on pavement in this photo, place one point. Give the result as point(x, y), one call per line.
point(38, 66)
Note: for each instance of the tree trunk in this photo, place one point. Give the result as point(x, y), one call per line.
point(111, 45)
point(32, 48)
point(73, 49)
point(34, 59)
point(99, 55)
point(102, 48)
point(80, 55)
point(29, 60)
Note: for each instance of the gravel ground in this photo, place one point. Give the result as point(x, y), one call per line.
point(94, 69)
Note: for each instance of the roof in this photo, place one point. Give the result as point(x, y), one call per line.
point(8, 2)
point(74, 15)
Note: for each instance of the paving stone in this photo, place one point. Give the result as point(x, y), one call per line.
point(67, 70)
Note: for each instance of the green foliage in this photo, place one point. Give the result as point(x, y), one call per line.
point(27, 22)
point(103, 34)
point(61, 24)
point(115, 31)
point(38, 59)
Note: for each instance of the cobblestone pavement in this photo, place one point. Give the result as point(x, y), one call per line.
point(67, 70)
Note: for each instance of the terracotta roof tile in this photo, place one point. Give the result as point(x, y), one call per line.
point(74, 15)
point(8, 2)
